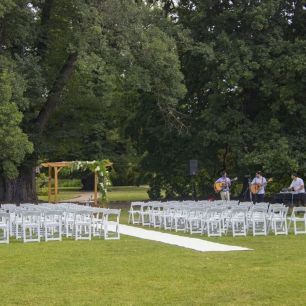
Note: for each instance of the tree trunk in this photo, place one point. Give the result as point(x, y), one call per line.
point(21, 189)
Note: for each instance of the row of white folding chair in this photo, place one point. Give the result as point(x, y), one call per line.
point(77, 223)
point(28, 225)
point(4, 227)
point(218, 220)
point(49, 224)
point(260, 218)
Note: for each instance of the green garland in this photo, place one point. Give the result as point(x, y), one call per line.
point(95, 166)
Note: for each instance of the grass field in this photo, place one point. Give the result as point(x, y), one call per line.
point(132, 271)
point(62, 196)
point(116, 193)
point(127, 193)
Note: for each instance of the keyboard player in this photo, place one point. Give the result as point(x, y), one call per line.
point(297, 186)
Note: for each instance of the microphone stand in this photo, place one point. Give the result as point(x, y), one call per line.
point(251, 196)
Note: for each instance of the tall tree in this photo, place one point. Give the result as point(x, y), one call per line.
point(81, 54)
point(245, 75)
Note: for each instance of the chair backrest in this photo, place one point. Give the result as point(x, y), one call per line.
point(239, 210)
point(260, 206)
point(247, 204)
point(50, 213)
point(112, 213)
point(136, 205)
point(4, 217)
point(31, 216)
point(299, 211)
point(280, 211)
point(272, 207)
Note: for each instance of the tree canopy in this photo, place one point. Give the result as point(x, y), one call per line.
point(150, 85)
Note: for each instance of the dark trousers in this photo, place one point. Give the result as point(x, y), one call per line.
point(258, 198)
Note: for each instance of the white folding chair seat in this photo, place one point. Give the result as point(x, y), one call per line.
point(52, 225)
point(298, 218)
point(4, 227)
point(31, 223)
point(111, 224)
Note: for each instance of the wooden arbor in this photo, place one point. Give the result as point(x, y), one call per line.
point(58, 166)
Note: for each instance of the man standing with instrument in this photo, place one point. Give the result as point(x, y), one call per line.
point(258, 186)
point(223, 185)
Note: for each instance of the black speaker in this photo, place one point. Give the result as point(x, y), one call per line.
point(193, 167)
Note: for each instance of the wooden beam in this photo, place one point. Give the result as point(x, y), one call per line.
point(57, 164)
point(49, 184)
point(96, 189)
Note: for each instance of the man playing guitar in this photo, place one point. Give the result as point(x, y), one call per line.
point(225, 183)
point(258, 186)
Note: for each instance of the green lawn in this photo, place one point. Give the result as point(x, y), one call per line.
point(116, 193)
point(62, 195)
point(127, 193)
point(132, 271)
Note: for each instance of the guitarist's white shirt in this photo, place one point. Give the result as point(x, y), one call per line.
point(260, 180)
point(296, 184)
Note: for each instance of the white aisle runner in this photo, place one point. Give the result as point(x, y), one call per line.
point(186, 242)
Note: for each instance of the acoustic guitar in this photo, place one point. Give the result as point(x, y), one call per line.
point(220, 185)
point(254, 188)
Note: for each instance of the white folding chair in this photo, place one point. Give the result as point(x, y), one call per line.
point(52, 225)
point(111, 224)
point(31, 223)
point(214, 222)
point(4, 227)
point(97, 221)
point(239, 221)
point(179, 219)
point(279, 220)
point(259, 221)
point(82, 224)
point(194, 221)
point(69, 222)
point(298, 218)
point(135, 212)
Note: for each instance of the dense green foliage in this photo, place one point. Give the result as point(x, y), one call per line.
point(81, 68)
point(150, 85)
point(245, 71)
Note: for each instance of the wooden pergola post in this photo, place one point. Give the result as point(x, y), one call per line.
point(55, 184)
point(96, 189)
point(49, 184)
